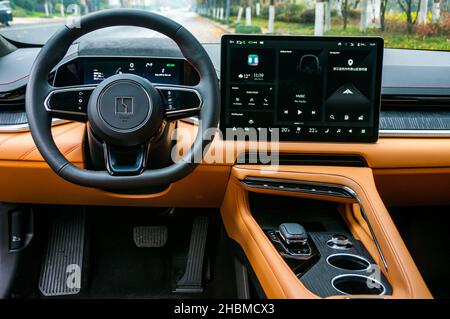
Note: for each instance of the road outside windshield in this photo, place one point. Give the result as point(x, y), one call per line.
point(410, 24)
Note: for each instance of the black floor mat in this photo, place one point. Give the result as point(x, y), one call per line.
point(116, 268)
point(426, 234)
point(119, 269)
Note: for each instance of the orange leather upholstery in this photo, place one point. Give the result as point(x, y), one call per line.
point(20, 146)
point(34, 182)
point(276, 278)
point(396, 162)
point(26, 178)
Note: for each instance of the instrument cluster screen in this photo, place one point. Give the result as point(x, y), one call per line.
point(156, 70)
point(309, 88)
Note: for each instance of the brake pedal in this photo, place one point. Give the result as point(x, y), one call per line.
point(150, 236)
point(62, 266)
point(192, 280)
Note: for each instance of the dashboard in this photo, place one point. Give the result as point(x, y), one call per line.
point(300, 88)
point(308, 88)
point(414, 84)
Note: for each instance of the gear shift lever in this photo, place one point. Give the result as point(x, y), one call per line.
point(291, 241)
point(293, 233)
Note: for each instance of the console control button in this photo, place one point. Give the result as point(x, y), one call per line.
point(303, 251)
point(339, 241)
point(180, 99)
point(71, 101)
point(273, 236)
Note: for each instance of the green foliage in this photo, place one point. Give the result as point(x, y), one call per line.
point(27, 5)
point(20, 12)
point(234, 10)
point(354, 14)
point(264, 14)
point(308, 16)
point(35, 8)
point(395, 35)
point(333, 12)
point(436, 29)
point(68, 2)
point(253, 29)
point(290, 12)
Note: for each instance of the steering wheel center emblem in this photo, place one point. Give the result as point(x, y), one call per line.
point(124, 106)
point(124, 103)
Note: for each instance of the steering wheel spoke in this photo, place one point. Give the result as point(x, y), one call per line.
point(180, 101)
point(69, 103)
point(125, 161)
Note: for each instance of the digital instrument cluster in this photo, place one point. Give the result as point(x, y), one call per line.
point(156, 70)
point(94, 69)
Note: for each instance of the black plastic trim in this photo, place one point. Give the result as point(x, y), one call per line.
point(297, 186)
point(242, 258)
point(307, 159)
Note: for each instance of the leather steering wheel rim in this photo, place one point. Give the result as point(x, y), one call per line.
point(54, 51)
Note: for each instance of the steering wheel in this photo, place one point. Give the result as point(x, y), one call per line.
point(124, 111)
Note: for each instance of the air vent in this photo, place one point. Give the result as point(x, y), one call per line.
point(297, 186)
point(415, 113)
point(398, 102)
point(307, 159)
point(12, 100)
point(12, 107)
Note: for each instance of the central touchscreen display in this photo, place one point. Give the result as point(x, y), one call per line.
point(309, 88)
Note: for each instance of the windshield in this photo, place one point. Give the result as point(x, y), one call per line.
point(409, 24)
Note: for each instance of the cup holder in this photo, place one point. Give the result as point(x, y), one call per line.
point(348, 262)
point(357, 285)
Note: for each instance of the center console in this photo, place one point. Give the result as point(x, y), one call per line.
point(318, 232)
point(328, 259)
point(317, 228)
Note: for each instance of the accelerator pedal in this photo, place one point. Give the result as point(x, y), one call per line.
point(150, 236)
point(192, 282)
point(62, 267)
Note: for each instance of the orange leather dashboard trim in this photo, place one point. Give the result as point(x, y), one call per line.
point(20, 146)
point(386, 153)
point(418, 162)
point(414, 186)
point(277, 280)
point(26, 178)
point(35, 183)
